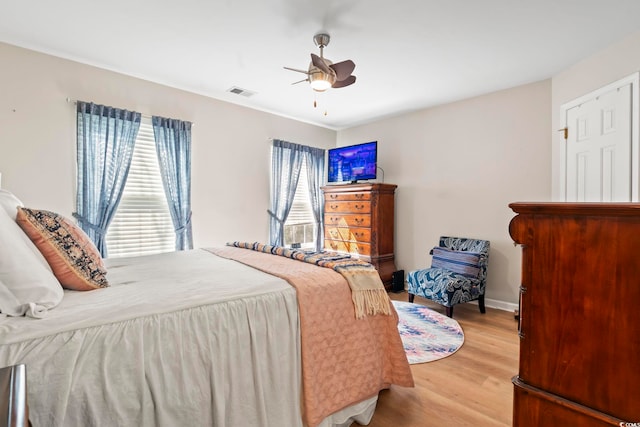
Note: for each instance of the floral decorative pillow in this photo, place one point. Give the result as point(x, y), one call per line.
point(73, 257)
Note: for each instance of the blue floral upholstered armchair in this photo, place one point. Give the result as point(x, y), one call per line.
point(458, 273)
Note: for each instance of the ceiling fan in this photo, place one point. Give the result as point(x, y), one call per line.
point(323, 73)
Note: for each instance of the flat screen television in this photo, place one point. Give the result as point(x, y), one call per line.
point(353, 163)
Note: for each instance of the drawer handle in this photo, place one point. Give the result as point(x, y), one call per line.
point(334, 207)
point(333, 196)
point(359, 196)
point(334, 246)
point(359, 235)
point(358, 221)
point(359, 206)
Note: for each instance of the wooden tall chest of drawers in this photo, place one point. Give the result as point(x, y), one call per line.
point(579, 317)
point(359, 219)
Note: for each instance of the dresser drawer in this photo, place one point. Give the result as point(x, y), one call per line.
point(362, 235)
point(351, 247)
point(347, 207)
point(359, 219)
point(347, 220)
point(347, 196)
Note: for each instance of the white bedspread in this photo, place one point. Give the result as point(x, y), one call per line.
point(137, 353)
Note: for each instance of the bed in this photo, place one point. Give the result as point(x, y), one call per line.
point(219, 337)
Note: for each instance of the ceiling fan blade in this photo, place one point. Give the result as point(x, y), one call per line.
point(343, 69)
point(346, 82)
point(295, 69)
point(295, 83)
point(318, 62)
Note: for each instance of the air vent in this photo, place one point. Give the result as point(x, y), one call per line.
point(240, 91)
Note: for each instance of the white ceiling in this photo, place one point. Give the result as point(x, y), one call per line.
point(409, 54)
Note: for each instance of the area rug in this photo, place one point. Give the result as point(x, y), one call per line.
point(426, 334)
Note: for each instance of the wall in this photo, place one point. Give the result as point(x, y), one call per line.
point(613, 63)
point(230, 152)
point(457, 168)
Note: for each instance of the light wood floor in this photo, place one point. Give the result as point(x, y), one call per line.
point(472, 387)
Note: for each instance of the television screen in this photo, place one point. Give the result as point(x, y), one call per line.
point(353, 163)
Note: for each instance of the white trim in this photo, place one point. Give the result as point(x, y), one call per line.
point(500, 305)
point(634, 81)
point(497, 304)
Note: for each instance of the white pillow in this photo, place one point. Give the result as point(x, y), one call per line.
point(10, 204)
point(9, 304)
point(24, 273)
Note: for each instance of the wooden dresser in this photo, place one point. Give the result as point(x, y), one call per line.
point(359, 219)
point(580, 315)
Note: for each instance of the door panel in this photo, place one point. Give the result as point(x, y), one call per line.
point(598, 167)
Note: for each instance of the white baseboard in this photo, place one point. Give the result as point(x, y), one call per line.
point(497, 304)
point(500, 305)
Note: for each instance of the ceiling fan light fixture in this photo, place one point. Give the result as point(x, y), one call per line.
point(323, 73)
point(320, 81)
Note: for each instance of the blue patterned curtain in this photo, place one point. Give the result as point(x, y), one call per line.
point(173, 143)
point(315, 176)
point(286, 162)
point(106, 137)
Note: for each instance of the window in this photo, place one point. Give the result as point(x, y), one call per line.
point(295, 199)
point(300, 224)
point(142, 224)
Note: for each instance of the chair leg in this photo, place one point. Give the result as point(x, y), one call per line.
point(449, 311)
point(481, 304)
point(411, 296)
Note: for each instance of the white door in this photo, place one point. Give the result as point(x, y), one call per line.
point(600, 147)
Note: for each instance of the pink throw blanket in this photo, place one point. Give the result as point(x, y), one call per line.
point(344, 360)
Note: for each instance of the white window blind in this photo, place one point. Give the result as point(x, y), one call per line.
point(142, 224)
point(300, 224)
